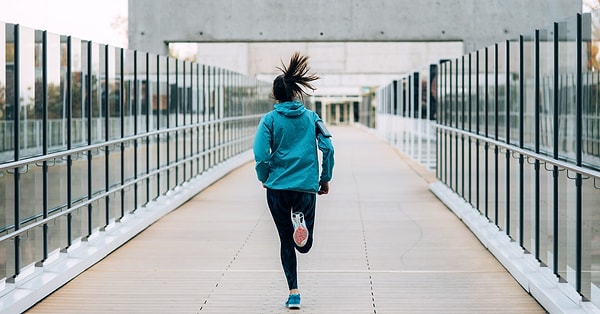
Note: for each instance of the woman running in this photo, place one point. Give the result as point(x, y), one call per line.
point(285, 151)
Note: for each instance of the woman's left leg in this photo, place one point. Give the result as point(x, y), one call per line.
point(280, 207)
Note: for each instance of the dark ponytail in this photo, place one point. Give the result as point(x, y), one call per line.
point(289, 85)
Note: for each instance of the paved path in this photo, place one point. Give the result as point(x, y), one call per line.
point(383, 244)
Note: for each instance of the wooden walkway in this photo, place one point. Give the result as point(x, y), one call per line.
point(383, 244)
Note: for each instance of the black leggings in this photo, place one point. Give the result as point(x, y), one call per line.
point(282, 203)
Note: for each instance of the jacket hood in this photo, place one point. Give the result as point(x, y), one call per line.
point(290, 108)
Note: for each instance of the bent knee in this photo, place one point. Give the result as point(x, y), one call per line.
point(305, 249)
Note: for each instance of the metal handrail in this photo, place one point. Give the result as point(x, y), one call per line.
point(111, 191)
point(74, 151)
point(525, 152)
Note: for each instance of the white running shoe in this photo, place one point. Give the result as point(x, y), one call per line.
point(300, 230)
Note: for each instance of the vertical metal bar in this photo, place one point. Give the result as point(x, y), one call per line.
point(176, 105)
point(456, 125)
point(537, 143)
point(68, 113)
point(477, 130)
point(521, 142)
point(439, 118)
point(486, 134)
point(224, 125)
point(462, 137)
point(106, 137)
point(578, 150)
point(444, 120)
point(555, 155)
point(198, 128)
point(214, 109)
point(90, 177)
point(184, 106)
point(178, 101)
point(148, 115)
point(496, 102)
point(17, 191)
point(158, 111)
point(136, 103)
point(45, 141)
point(507, 125)
point(219, 116)
point(204, 111)
point(449, 119)
point(122, 118)
point(470, 142)
point(168, 113)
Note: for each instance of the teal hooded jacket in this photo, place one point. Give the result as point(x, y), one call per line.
point(285, 149)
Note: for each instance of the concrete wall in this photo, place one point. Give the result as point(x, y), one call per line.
point(343, 67)
point(478, 23)
point(351, 43)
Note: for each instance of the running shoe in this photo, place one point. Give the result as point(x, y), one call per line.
point(300, 231)
point(293, 301)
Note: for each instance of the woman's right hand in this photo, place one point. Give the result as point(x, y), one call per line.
point(323, 188)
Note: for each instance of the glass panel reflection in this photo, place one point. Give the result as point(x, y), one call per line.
point(567, 143)
point(29, 71)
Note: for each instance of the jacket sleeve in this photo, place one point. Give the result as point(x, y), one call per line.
point(326, 147)
point(262, 151)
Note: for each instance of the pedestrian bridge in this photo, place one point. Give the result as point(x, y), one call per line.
point(469, 185)
point(383, 244)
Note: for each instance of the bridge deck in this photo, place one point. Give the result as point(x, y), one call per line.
point(383, 244)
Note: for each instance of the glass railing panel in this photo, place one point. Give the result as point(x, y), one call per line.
point(143, 108)
point(490, 81)
point(514, 196)
point(501, 156)
point(501, 97)
point(591, 89)
point(8, 128)
point(153, 141)
point(529, 216)
point(529, 91)
point(5, 138)
point(164, 144)
point(112, 90)
point(95, 82)
point(79, 88)
point(567, 83)
point(210, 115)
point(546, 227)
point(483, 170)
point(177, 115)
point(546, 89)
point(590, 272)
point(129, 116)
point(31, 247)
point(115, 118)
point(566, 235)
point(194, 101)
point(29, 92)
point(481, 83)
point(566, 144)
point(98, 177)
point(529, 139)
point(514, 83)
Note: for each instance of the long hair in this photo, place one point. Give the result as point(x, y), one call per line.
point(294, 79)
